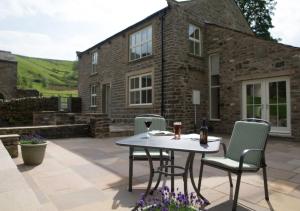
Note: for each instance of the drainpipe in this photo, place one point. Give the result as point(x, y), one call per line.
point(162, 108)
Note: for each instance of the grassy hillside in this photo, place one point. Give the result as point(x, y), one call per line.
point(50, 77)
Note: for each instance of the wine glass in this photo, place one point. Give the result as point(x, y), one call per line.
point(148, 124)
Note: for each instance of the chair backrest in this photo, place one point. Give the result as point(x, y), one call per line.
point(248, 134)
point(158, 123)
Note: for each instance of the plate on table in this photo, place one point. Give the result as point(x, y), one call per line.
point(161, 133)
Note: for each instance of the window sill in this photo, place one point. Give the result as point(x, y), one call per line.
point(215, 120)
point(140, 106)
point(93, 74)
point(195, 56)
point(141, 59)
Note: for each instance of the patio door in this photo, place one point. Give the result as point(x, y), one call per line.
point(268, 99)
point(106, 99)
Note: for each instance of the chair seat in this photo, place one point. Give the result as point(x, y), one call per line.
point(140, 154)
point(223, 162)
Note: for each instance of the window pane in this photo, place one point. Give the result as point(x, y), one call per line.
point(282, 92)
point(215, 80)
point(144, 50)
point(250, 111)
point(249, 94)
point(215, 64)
point(257, 94)
point(197, 34)
point(273, 115)
point(138, 38)
point(215, 104)
point(144, 96)
point(138, 52)
point(257, 111)
point(149, 96)
point(136, 83)
point(137, 97)
point(132, 83)
point(132, 54)
point(191, 46)
point(191, 31)
point(144, 35)
point(273, 93)
point(197, 49)
point(282, 118)
point(144, 81)
point(149, 81)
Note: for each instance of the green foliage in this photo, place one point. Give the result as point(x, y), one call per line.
point(49, 77)
point(258, 14)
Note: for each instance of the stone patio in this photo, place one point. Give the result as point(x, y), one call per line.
point(91, 174)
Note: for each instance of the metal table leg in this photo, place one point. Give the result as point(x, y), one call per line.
point(172, 171)
point(150, 177)
point(206, 202)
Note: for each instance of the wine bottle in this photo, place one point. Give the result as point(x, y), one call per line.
point(203, 132)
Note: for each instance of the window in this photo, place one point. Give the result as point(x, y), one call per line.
point(214, 82)
point(93, 96)
point(140, 90)
point(94, 62)
point(140, 44)
point(195, 44)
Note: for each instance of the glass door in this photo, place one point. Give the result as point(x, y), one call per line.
point(278, 105)
point(268, 99)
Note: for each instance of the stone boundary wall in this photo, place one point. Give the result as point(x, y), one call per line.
point(98, 123)
point(19, 112)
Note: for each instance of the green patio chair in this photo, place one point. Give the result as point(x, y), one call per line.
point(246, 153)
point(138, 154)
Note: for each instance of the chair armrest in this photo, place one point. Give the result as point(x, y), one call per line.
point(243, 155)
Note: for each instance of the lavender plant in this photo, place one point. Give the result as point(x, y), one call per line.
point(32, 139)
point(167, 201)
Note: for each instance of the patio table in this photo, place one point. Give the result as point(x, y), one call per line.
point(187, 143)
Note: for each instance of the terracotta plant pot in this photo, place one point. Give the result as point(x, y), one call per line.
point(33, 154)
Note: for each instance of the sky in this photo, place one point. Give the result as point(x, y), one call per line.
point(56, 29)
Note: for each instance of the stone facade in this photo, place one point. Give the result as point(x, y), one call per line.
point(8, 76)
point(224, 31)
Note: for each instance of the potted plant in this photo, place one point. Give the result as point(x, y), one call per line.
point(33, 149)
point(166, 201)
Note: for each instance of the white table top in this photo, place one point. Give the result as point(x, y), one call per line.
point(187, 143)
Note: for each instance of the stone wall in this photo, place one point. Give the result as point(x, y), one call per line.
point(246, 58)
point(8, 78)
point(98, 123)
point(19, 112)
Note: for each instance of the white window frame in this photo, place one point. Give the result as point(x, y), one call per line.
point(94, 62)
point(93, 96)
point(140, 89)
point(138, 35)
point(213, 87)
point(195, 41)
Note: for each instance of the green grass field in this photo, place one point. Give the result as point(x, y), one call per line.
point(49, 77)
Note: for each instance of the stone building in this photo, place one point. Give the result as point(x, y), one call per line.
point(190, 50)
point(8, 75)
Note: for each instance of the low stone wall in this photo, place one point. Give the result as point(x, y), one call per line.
point(19, 112)
point(50, 131)
point(99, 123)
point(53, 118)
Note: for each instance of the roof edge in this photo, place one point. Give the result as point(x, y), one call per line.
point(124, 30)
point(253, 36)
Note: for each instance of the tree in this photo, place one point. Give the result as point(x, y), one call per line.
point(258, 14)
